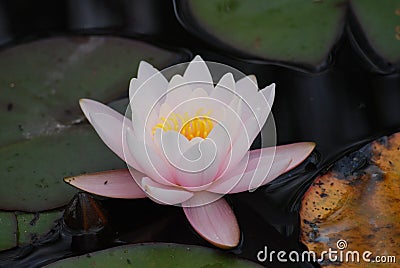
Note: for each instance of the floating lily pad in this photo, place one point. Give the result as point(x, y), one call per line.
point(380, 25)
point(31, 226)
point(35, 169)
point(41, 83)
point(155, 255)
point(18, 229)
point(299, 32)
point(356, 201)
point(8, 230)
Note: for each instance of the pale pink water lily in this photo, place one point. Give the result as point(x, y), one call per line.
point(188, 144)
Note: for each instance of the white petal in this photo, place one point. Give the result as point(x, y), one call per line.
point(178, 91)
point(165, 195)
point(246, 86)
point(148, 160)
point(172, 144)
point(197, 166)
point(225, 89)
point(269, 93)
point(198, 75)
point(110, 131)
point(147, 93)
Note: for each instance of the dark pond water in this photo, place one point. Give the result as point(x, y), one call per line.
point(340, 108)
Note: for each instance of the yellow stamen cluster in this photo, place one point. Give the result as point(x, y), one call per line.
point(198, 126)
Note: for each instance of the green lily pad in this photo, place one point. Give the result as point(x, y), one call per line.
point(18, 229)
point(31, 226)
point(34, 169)
point(380, 24)
point(41, 83)
point(8, 230)
point(155, 255)
point(300, 32)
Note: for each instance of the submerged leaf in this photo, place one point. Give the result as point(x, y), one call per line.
point(356, 201)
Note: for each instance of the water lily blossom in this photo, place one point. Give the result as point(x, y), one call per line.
point(187, 144)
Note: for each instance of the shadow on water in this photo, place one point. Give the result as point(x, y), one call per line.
point(339, 109)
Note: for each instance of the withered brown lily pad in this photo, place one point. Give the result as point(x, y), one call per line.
point(357, 200)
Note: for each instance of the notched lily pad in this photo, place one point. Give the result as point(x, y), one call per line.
point(295, 32)
point(155, 255)
point(377, 31)
point(19, 229)
point(356, 201)
point(41, 83)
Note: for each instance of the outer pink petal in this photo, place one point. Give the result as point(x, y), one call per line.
point(108, 124)
point(166, 195)
point(215, 222)
point(113, 183)
point(89, 106)
point(262, 166)
point(298, 152)
point(250, 178)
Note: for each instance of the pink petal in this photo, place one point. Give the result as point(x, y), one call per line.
point(251, 178)
point(201, 198)
point(108, 124)
point(216, 223)
point(262, 166)
point(89, 106)
point(298, 152)
point(166, 195)
point(113, 183)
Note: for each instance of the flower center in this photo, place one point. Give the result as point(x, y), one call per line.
point(199, 125)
